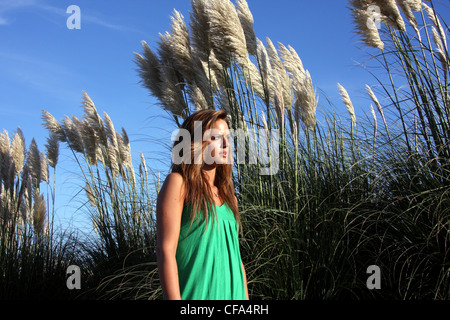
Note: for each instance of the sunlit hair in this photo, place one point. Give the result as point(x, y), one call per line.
point(198, 193)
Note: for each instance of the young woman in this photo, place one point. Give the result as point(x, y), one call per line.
point(198, 217)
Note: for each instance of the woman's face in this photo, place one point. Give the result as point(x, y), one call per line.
point(218, 150)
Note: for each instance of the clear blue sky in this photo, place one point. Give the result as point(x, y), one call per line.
point(44, 65)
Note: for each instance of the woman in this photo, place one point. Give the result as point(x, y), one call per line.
point(198, 217)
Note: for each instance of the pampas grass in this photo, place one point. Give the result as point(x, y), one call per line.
point(340, 198)
point(348, 102)
point(365, 25)
point(121, 203)
point(33, 257)
point(246, 19)
point(226, 34)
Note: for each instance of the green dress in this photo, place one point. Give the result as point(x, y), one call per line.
point(208, 257)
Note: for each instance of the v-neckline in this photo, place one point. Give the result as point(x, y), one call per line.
point(220, 205)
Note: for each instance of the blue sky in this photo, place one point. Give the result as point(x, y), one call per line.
point(45, 65)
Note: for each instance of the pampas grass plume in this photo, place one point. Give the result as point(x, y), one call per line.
point(34, 163)
point(39, 211)
point(361, 17)
point(246, 18)
point(52, 149)
point(347, 101)
point(226, 35)
point(18, 151)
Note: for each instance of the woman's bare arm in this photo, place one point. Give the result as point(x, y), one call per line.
point(168, 219)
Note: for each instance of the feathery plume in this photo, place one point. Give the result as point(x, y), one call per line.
point(264, 63)
point(173, 82)
point(408, 12)
point(72, 133)
point(278, 99)
point(149, 70)
point(52, 149)
point(274, 58)
point(110, 131)
point(374, 118)
point(144, 164)
point(347, 101)
point(211, 76)
point(299, 81)
point(439, 37)
point(5, 156)
point(281, 81)
point(180, 47)
point(203, 53)
point(124, 148)
point(53, 125)
point(391, 14)
point(90, 111)
point(44, 167)
point(112, 158)
point(28, 190)
point(433, 17)
point(207, 68)
point(365, 26)
point(39, 212)
point(90, 142)
point(377, 104)
point(34, 163)
point(200, 29)
point(202, 80)
point(226, 35)
point(291, 60)
point(90, 195)
point(375, 99)
point(18, 151)
point(246, 18)
point(4, 142)
point(93, 118)
point(197, 97)
point(440, 48)
point(294, 68)
point(7, 168)
point(255, 79)
point(173, 99)
point(415, 5)
point(306, 102)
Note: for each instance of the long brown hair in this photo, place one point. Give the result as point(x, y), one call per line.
point(198, 193)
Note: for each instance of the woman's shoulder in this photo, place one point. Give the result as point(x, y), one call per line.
point(175, 177)
point(174, 184)
point(174, 180)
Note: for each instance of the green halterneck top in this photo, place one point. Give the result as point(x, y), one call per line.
point(209, 261)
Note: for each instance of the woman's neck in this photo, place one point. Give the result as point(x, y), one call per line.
point(210, 173)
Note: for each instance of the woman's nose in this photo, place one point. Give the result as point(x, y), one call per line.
point(225, 142)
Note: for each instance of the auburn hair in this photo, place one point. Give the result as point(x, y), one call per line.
point(197, 191)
